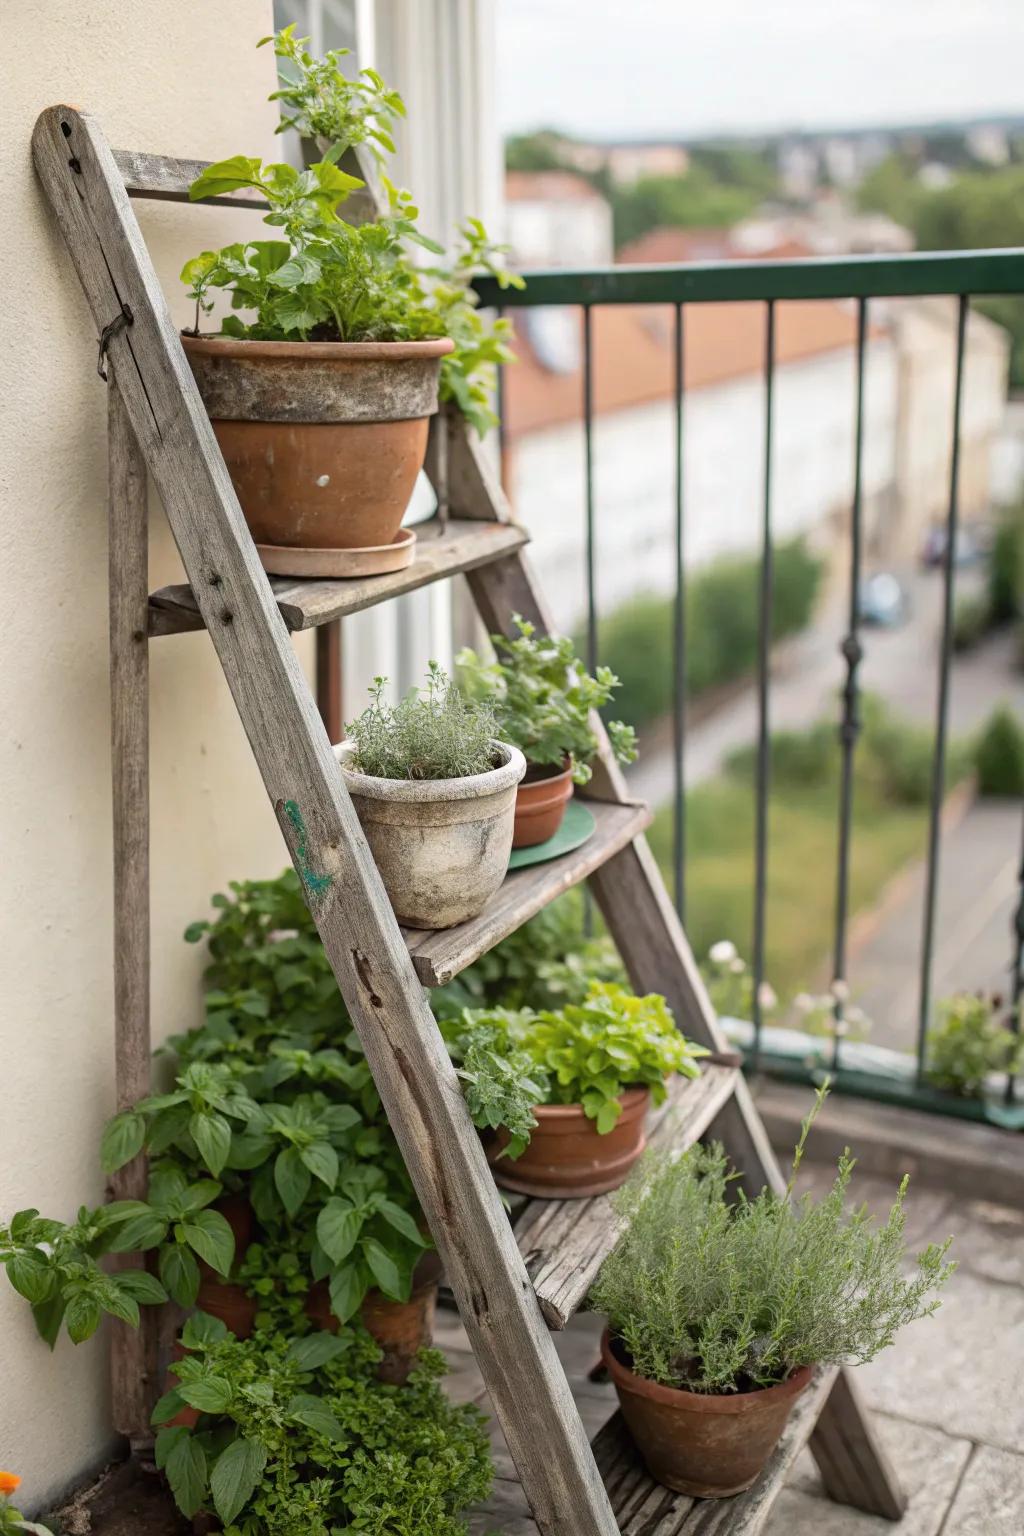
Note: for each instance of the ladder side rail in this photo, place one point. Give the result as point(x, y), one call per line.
point(416, 1080)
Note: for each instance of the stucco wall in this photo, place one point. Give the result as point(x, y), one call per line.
point(184, 79)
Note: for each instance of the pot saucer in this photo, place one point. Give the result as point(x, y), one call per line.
point(577, 826)
point(374, 560)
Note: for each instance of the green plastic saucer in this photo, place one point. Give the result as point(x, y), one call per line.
point(577, 826)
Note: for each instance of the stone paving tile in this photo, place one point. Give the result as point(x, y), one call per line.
point(990, 1500)
point(929, 1464)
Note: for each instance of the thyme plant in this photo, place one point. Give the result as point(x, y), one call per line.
point(433, 734)
point(716, 1295)
point(969, 1043)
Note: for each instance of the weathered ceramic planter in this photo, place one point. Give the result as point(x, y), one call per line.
point(541, 801)
point(568, 1157)
point(707, 1445)
point(441, 845)
point(323, 440)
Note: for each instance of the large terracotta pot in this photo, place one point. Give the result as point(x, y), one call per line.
point(441, 845)
point(541, 800)
point(401, 1328)
point(703, 1444)
point(323, 440)
point(568, 1157)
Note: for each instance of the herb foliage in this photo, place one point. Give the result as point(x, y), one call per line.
point(433, 734)
point(970, 1042)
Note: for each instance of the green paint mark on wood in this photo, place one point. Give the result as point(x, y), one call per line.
point(315, 884)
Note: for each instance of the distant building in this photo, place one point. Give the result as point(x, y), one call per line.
point(831, 229)
point(557, 219)
point(989, 143)
point(630, 163)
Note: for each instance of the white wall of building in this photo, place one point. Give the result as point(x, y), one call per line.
point(723, 476)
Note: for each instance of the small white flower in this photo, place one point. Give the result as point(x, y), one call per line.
point(840, 991)
point(803, 1002)
point(737, 966)
point(722, 952)
point(766, 996)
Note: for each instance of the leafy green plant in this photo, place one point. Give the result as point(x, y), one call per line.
point(299, 1438)
point(329, 280)
point(543, 699)
point(502, 1083)
point(718, 1295)
point(11, 1519)
point(999, 755)
point(54, 1266)
point(587, 1053)
point(177, 1222)
point(971, 1041)
point(434, 734)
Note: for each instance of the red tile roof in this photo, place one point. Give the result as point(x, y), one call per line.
point(548, 187)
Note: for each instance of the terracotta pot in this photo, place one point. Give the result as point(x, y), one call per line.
point(222, 1298)
point(323, 440)
point(441, 845)
point(707, 1445)
point(568, 1157)
point(541, 800)
point(401, 1328)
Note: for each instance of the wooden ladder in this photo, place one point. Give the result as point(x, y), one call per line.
point(512, 1284)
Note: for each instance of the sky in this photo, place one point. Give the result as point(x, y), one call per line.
point(635, 68)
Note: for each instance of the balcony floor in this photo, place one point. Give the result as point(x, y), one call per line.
point(946, 1397)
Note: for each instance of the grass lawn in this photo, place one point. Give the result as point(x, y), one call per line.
point(803, 828)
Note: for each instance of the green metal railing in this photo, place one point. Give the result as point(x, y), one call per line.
point(961, 274)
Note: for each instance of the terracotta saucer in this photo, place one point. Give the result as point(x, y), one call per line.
point(377, 560)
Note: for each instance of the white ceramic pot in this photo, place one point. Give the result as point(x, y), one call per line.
point(441, 845)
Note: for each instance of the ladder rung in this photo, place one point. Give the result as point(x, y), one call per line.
point(564, 1242)
point(642, 1506)
point(466, 544)
point(440, 954)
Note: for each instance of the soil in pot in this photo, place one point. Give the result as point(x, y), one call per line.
point(541, 799)
point(401, 1328)
point(441, 845)
point(323, 440)
point(568, 1157)
point(704, 1444)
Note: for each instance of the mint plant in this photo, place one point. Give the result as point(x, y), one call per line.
point(176, 1221)
point(54, 1266)
point(542, 698)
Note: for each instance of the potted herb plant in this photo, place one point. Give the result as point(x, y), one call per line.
point(718, 1310)
point(435, 793)
point(972, 1042)
point(566, 1092)
point(543, 700)
point(298, 1434)
point(322, 380)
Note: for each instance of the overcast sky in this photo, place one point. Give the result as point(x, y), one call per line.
point(630, 68)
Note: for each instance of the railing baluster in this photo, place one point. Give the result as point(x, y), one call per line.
point(763, 672)
point(588, 470)
point(849, 728)
point(1017, 973)
point(679, 647)
point(942, 715)
point(500, 401)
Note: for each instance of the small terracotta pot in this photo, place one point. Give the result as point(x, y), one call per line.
point(222, 1298)
point(441, 845)
point(323, 440)
point(541, 800)
point(707, 1445)
point(401, 1328)
point(567, 1156)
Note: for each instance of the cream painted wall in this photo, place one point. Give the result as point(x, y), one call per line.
point(183, 79)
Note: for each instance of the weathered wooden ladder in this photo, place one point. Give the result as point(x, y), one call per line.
point(512, 1284)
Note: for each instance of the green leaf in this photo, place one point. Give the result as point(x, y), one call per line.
point(195, 931)
point(315, 1414)
point(402, 1222)
point(120, 1305)
point(607, 1117)
point(179, 1273)
point(167, 1407)
point(48, 1316)
point(210, 1235)
point(223, 177)
point(141, 1285)
point(122, 1140)
point(31, 1277)
point(202, 1329)
point(301, 269)
point(140, 1234)
point(315, 1350)
point(185, 1469)
point(337, 1228)
point(322, 1162)
point(292, 1178)
point(236, 1477)
point(212, 1135)
point(348, 1288)
point(384, 1270)
point(83, 1317)
point(210, 1394)
point(166, 1440)
point(199, 1195)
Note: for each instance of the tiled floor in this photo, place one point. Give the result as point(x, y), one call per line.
point(948, 1398)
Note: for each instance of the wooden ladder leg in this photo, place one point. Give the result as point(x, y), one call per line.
point(417, 1083)
point(133, 1352)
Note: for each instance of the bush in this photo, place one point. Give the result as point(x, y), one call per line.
point(970, 1042)
point(713, 1295)
point(999, 755)
point(637, 640)
point(1006, 567)
point(972, 619)
point(900, 756)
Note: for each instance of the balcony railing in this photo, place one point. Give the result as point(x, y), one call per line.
point(959, 275)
